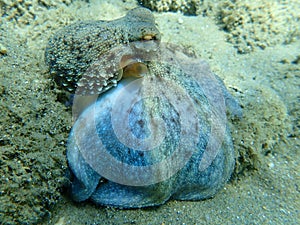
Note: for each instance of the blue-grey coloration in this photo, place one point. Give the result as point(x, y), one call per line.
point(159, 133)
point(176, 98)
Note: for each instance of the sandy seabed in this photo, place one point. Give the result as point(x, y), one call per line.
point(254, 49)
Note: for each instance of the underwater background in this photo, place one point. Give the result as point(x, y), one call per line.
point(253, 46)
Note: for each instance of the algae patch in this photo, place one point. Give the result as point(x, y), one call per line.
point(34, 129)
point(259, 24)
point(264, 125)
point(249, 24)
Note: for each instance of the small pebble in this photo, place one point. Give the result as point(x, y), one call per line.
point(3, 50)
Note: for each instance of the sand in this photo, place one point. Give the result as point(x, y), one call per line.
point(259, 65)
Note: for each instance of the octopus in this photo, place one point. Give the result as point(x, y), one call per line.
point(157, 129)
point(73, 49)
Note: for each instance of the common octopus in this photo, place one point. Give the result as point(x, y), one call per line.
point(72, 50)
point(158, 129)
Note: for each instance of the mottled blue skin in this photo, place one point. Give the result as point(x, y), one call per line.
point(187, 184)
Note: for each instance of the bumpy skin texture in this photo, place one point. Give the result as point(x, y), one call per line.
point(88, 56)
point(187, 184)
point(74, 48)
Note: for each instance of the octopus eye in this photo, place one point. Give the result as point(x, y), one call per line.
point(148, 37)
